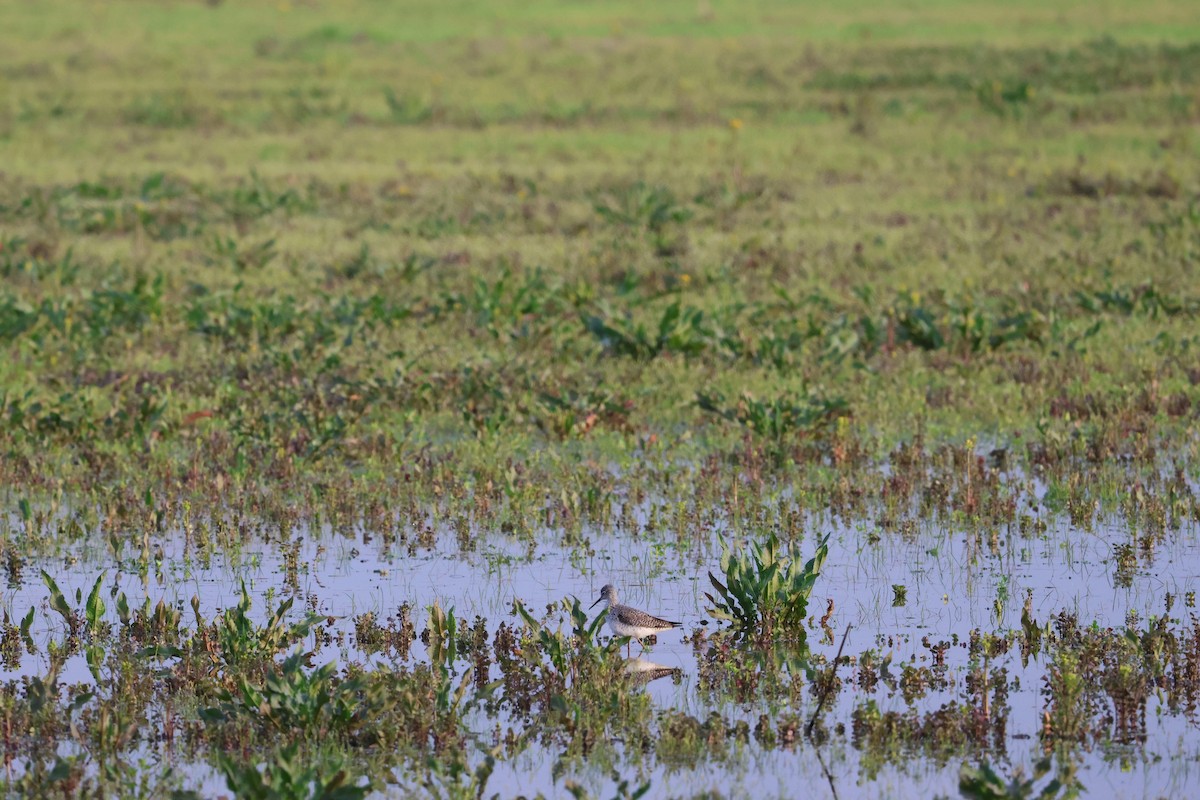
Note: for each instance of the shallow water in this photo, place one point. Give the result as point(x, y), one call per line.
point(953, 585)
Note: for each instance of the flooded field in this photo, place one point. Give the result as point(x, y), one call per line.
point(954, 648)
point(347, 350)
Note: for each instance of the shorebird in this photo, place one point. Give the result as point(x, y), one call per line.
point(629, 621)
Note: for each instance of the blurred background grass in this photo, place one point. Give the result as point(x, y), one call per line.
point(1012, 154)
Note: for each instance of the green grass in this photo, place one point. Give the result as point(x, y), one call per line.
point(323, 237)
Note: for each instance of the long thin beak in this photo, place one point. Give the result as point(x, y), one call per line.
point(598, 602)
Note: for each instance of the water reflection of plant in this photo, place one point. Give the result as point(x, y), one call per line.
point(765, 592)
point(984, 783)
point(571, 690)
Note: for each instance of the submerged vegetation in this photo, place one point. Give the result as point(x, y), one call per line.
point(342, 352)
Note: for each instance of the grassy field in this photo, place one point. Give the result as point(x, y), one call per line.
point(512, 267)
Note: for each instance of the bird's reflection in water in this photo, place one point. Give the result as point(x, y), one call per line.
point(643, 670)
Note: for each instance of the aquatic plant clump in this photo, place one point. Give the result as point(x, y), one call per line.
point(766, 591)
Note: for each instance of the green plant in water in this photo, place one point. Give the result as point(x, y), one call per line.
point(58, 602)
point(983, 783)
point(766, 591)
point(288, 777)
point(292, 700)
point(565, 650)
point(443, 652)
point(624, 790)
point(453, 778)
point(242, 644)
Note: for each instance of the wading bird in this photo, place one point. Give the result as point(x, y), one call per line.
point(629, 621)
